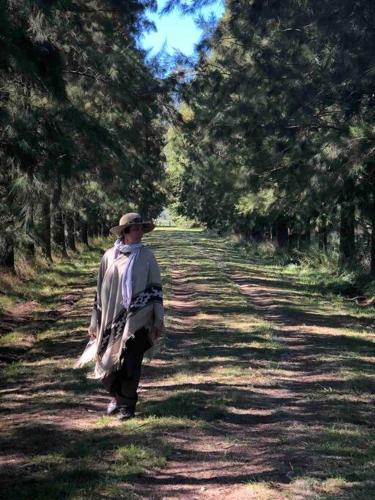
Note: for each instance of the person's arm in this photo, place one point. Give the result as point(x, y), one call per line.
point(96, 310)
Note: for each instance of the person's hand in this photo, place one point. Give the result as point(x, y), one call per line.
point(92, 332)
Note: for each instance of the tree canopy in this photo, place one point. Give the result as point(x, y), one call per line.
point(81, 121)
point(273, 138)
point(278, 139)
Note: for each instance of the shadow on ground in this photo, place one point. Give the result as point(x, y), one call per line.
point(258, 383)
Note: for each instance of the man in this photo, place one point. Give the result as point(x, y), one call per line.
point(128, 313)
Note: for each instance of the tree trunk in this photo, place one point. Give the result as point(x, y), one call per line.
point(372, 258)
point(347, 236)
point(282, 234)
point(293, 240)
point(91, 230)
point(59, 232)
point(104, 229)
point(257, 234)
point(29, 223)
point(83, 231)
point(274, 232)
point(7, 259)
point(45, 230)
point(370, 167)
point(70, 231)
point(77, 225)
point(306, 235)
point(58, 218)
point(323, 236)
point(29, 229)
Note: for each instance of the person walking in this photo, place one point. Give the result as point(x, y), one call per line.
point(127, 316)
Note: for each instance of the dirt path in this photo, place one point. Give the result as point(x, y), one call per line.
point(264, 403)
point(261, 390)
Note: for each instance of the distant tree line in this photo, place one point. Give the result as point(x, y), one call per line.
point(277, 131)
point(80, 123)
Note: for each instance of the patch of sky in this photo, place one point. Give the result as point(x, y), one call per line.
point(176, 32)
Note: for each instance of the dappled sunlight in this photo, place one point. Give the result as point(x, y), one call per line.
point(259, 390)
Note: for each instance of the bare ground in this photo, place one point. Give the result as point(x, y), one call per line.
point(266, 373)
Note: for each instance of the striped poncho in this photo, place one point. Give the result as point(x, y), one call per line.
point(115, 324)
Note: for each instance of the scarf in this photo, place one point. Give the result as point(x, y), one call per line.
point(115, 323)
point(127, 280)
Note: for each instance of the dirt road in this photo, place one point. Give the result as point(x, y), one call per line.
point(262, 389)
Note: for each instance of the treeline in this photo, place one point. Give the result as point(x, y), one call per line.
point(276, 139)
point(80, 123)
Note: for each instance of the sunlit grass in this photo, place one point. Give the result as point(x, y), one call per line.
point(134, 459)
point(262, 490)
point(16, 337)
point(15, 370)
point(226, 367)
point(178, 229)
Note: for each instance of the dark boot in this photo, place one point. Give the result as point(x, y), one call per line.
point(126, 412)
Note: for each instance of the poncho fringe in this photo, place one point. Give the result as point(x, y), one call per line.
point(115, 325)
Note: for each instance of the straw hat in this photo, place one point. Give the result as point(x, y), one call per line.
point(130, 220)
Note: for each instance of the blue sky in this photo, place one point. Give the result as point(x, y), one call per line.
point(177, 31)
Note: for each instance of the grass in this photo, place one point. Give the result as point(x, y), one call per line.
point(306, 488)
point(93, 463)
point(34, 303)
point(271, 394)
point(317, 271)
point(134, 459)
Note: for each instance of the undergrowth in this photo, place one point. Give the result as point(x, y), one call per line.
point(314, 268)
point(40, 281)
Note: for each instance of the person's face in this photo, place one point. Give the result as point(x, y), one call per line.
point(134, 235)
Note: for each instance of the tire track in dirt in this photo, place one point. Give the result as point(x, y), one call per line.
point(311, 367)
point(270, 437)
point(196, 469)
point(304, 334)
point(249, 411)
point(237, 446)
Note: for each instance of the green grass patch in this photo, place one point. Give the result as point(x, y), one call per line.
point(340, 447)
point(226, 388)
point(134, 459)
point(191, 404)
point(16, 370)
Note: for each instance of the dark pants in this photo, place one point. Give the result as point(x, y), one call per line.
point(123, 384)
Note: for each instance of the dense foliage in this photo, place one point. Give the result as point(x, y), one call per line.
point(80, 122)
point(277, 128)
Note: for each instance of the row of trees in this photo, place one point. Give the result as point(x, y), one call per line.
point(276, 137)
point(80, 122)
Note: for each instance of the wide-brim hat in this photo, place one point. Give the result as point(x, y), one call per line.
point(132, 219)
